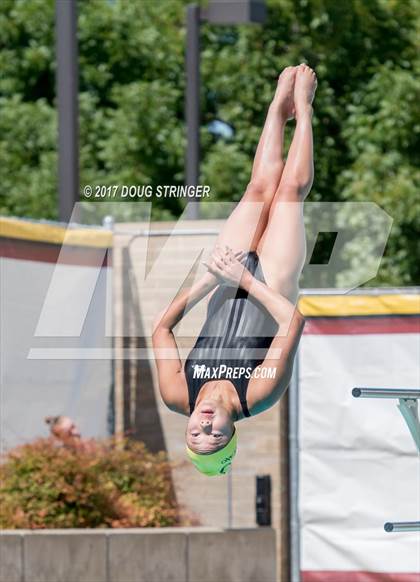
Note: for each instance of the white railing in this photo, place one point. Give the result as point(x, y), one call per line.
point(408, 407)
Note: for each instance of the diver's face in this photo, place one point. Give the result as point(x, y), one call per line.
point(210, 427)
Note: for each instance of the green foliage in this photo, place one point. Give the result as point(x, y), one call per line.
point(28, 157)
point(132, 83)
point(108, 484)
point(382, 131)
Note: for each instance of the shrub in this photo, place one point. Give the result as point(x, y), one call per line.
point(110, 483)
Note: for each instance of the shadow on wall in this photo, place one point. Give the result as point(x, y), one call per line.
point(141, 415)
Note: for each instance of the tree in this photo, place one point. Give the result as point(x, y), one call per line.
point(365, 53)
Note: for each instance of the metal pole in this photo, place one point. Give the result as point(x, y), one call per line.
point(108, 223)
point(410, 393)
point(192, 105)
point(294, 472)
point(229, 499)
point(67, 102)
point(402, 526)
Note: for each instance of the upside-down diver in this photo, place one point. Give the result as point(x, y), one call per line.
point(242, 361)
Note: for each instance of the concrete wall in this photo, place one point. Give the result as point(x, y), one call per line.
point(262, 441)
point(138, 555)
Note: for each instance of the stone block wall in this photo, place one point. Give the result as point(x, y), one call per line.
point(138, 555)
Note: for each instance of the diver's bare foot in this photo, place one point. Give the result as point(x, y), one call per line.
point(304, 91)
point(284, 96)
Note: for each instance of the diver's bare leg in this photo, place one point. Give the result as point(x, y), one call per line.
point(245, 226)
point(282, 248)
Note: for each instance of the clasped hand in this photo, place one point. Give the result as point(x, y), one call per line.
point(227, 266)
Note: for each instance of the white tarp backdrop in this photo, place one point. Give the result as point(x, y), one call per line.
point(359, 466)
point(34, 388)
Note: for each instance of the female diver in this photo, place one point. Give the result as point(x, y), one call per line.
point(242, 361)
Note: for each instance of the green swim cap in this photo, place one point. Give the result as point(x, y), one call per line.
point(217, 463)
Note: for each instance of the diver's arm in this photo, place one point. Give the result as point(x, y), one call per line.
point(280, 308)
point(228, 268)
point(264, 391)
point(184, 302)
point(267, 389)
point(172, 384)
point(171, 380)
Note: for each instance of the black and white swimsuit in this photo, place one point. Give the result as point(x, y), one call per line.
point(233, 340)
